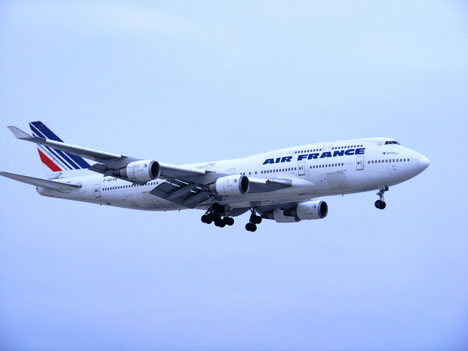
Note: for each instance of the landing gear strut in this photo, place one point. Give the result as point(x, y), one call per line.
point(254, 220)
point(215, 214)
point(380, 204)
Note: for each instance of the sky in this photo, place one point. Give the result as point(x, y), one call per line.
point(183, 82)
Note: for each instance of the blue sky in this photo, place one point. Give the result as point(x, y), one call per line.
point(198, 81)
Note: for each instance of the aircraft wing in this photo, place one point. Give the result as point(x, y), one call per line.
point(105, 160)
point(190, 194)
point(184, 185)
point(261, 185)
point(49, 184)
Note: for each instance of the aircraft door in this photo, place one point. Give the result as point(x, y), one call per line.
point(301, 168)
point(360, 163)
point(97, 190)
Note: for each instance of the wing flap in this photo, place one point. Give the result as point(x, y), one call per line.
point(182, 193)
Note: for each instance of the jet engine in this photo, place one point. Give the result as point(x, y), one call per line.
point(139, 171)
point(315, 209)
point(231, 185)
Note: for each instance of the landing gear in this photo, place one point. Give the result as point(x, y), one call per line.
point(215, 214)
point(219, 222)
point(254, 220)
point(380, 204)
point(229, 221)
point(218, 214)
point(208, 218)
point(250, 227)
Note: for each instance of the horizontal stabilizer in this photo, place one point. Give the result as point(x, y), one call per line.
point(19, 134)
point(41, 182)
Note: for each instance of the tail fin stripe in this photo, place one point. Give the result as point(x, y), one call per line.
point(48, 162)
point(55, 154)
point(53, 157)
point(59, 154)
point(79, 162)
point(46, 131)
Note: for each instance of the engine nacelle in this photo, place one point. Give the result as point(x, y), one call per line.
point(315, 209)
point(279, 217)
point(140, 171)
point(231, 185)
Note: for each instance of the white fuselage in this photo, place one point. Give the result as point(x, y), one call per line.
point(316, 170)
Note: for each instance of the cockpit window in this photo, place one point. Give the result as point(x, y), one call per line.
point(392, 142)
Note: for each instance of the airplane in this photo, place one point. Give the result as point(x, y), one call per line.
point(283, 185)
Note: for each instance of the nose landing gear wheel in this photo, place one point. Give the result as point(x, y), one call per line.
point(380, 204)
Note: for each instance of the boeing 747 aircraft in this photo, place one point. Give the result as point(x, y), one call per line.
point(283, 185)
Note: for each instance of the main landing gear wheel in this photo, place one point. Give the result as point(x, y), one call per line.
point(251, 227)
point(224, 221)
point(228, 220)
point(207, 219)
point(219, 222)
point(254, 220)
point(380, 204)
point(215, 214)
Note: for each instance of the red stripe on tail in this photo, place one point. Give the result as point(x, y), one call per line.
point(48, 162)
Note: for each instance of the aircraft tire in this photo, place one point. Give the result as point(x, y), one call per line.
point(229, 221)
point(219, 222)
point(256, 219)
point(380, 204)
point(250, 227)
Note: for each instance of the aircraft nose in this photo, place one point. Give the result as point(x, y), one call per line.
point(423, 162)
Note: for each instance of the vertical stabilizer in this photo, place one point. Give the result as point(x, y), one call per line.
point(59, 162)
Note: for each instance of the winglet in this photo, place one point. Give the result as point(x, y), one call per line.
point(19, 134)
